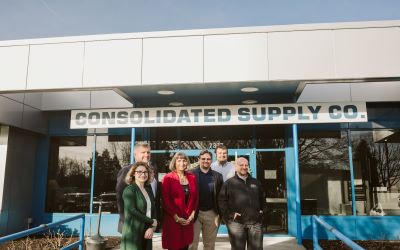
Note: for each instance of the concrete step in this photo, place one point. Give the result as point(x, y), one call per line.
point(222, 243)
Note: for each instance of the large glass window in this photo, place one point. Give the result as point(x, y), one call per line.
point(324, 171)
point(68, 181)
point(112, 153)
point(376, 160)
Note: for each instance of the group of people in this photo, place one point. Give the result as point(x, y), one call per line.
point(193, 201)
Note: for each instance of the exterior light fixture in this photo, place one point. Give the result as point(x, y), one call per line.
point(249, 102)
point(176, 104)
point(165, 92)
point(249, 89)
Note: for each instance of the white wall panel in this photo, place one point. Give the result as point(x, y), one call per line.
point(173, 60)
point(301, 55)
point(4, 131)
point(66, 100)
point(34, 120)
point(333, 92)
point(13, 67)
point(108, 99)
point(34, 99)
point(113, 63)
point(19, 97)
point(53, 66)
point(241, 57)
point(376, 91)
point(10, 112)
point(373, 52)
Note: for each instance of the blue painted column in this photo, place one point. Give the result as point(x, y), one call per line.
point(353, 193)
point(297, 177)
point(133, 141)
point(92, 184)
point(92, 176)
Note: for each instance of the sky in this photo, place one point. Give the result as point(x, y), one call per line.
point(22, 19)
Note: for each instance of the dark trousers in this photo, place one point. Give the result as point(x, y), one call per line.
point(241, 235)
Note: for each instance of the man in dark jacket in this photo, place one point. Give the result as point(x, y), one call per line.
point(209, 183)
point(141, 153)
point(242, 203)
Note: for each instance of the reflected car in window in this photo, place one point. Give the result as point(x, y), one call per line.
point(108, 203)
point(75, 202)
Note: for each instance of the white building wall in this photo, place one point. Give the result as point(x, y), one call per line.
point(173, 60)
point(55, 66)
point(236, 57)
point(362, 53)
point(4, 130)
point(113, 63)
point(13, 67)
point(293, 52)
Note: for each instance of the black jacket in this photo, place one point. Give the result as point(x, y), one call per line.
point(218, 181)
point(244, 197)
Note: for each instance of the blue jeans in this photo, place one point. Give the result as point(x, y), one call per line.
point(241, 235)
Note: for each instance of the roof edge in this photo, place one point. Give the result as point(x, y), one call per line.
point(202, 32)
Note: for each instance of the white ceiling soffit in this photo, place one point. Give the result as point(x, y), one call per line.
point(351, 92)
point(83, 100)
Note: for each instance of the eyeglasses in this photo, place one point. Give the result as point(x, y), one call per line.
point(142, 172)
point(205, 159)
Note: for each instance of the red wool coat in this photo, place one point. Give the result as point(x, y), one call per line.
point(174, 235)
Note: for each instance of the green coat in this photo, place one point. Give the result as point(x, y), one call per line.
point(136, 222)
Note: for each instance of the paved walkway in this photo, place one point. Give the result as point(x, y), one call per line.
point(276, 243)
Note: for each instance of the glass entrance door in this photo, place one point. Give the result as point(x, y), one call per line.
point(272, 175)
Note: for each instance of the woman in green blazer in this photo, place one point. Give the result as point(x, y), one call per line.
point(139, 207)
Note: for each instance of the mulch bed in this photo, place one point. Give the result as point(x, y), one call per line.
point(42, 243)
point(367, 244)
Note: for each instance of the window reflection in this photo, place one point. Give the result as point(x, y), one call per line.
point(210, 136)
point(270, 136)
point(376, 160)
point(112, 153)
point(68, 183)
point(324, 173)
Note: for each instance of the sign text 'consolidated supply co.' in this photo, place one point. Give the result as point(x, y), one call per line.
point(220, 115)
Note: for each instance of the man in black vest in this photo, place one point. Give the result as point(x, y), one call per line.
point(207, 217)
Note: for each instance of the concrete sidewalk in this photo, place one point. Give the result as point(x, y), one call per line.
point(277, 243)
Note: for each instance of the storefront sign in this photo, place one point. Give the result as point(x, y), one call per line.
point(220, 115)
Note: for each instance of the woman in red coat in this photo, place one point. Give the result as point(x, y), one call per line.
point(180, 199)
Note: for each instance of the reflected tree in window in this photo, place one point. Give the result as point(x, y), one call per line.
point(324, 173)
point(323, 153)
point(377, 170)
point(106, 169)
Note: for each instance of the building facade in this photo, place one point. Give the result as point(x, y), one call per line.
point(347, 171)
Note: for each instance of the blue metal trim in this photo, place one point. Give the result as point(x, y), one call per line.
point(45, 227)
point(334, 231)
point(92, 182)
point(133, 142)
point(40, 180)
point(353, 193)
point(271, 150)
point(315, 234)
point(297, 178)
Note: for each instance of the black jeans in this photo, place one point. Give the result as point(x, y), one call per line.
point(241, 235)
